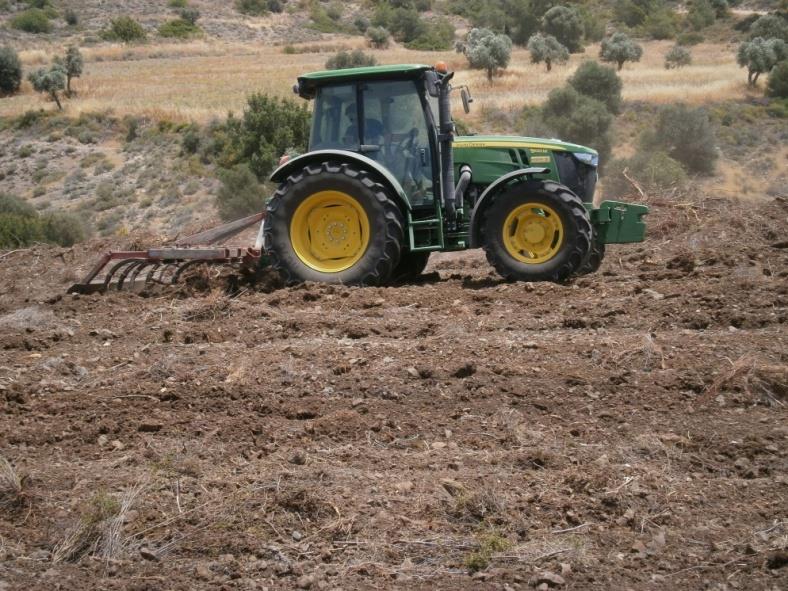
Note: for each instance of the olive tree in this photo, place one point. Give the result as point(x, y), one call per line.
point(72, 64)
point(564, 23)
point(760, 55)
point(10, 71)
point(598, 82)
point(547, 49)
point(488, 51)
point(50, 80)
point(619, 48)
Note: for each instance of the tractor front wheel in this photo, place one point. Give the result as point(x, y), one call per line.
point(537, 231)
point(332, 223)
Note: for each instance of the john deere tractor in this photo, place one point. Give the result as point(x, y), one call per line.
point(386, 182)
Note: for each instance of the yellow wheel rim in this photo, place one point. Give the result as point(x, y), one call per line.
point(533, 233)
point(330, 231)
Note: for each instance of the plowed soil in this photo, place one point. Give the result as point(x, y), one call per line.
point(626, 430)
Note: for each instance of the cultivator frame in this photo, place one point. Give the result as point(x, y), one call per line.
point(140, 269)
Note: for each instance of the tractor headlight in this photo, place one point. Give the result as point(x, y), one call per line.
point(586, 158)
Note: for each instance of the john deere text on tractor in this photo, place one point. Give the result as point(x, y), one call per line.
point(385, 182)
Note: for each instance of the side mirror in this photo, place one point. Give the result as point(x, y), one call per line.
point(467, 99)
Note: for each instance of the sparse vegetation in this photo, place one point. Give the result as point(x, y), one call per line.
point(252, 7)
point(14, 489)
point(350, 59)
point(10, 71)
point(71, 17)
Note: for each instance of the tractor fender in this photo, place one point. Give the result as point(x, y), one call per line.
point(489, 194)
point(382, 175)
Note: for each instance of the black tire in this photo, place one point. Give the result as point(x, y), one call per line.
point(595, 258)
point(573, 250)
point(385, 225)
point(411, 265)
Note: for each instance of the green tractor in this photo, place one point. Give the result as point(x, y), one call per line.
point(386, 182)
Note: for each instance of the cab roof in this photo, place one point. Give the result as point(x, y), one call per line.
point(309, 83)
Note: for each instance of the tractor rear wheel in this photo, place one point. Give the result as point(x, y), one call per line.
point(332, 223)
point(594, 258)
point(537, 231)
point(411, 265)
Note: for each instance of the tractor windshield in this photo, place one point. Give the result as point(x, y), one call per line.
point(392, 130)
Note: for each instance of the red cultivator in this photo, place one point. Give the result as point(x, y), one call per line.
point(139, 269)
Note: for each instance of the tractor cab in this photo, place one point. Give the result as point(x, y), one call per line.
point(382, 114)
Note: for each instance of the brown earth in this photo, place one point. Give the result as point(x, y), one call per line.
point(627, 430)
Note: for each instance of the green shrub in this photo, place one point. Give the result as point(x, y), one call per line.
point(405, 24)
point(20, 225)
point(578, 118)
point(653, 171)
point(564, 23)
point(778, 81)
point(361, 23)
point(240, 194)
point(124, 28)
point(378, 37)
point(633, 12)
point(677, 57)
point(270, 126)
point(13, 205)
point(252, 7)
point(71, 17)
point(178, 28)
point(178, 3)
point(64, 229)
point(685, 134)
point(770, 26)
point(350, 59)
point(190, 15)
point(599, 82)
point(438, 36)
point(10, 71)
point(33, 20)
point(689, 38)
point(661, 24)
point(701, 14)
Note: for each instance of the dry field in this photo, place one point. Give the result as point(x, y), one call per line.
point(204, 79)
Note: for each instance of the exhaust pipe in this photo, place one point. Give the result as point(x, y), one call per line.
point(462, 185)
point(445, 139)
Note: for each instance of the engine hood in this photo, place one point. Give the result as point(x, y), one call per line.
point(512, 141)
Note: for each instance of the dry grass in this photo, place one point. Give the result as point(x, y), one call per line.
point(204, 79)
point(99, 531)
point(14, 489)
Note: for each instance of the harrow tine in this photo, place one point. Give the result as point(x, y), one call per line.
point(137, 270)
point(149, 277)
point(115, 268)
point(188, 264)
point(126, 271)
